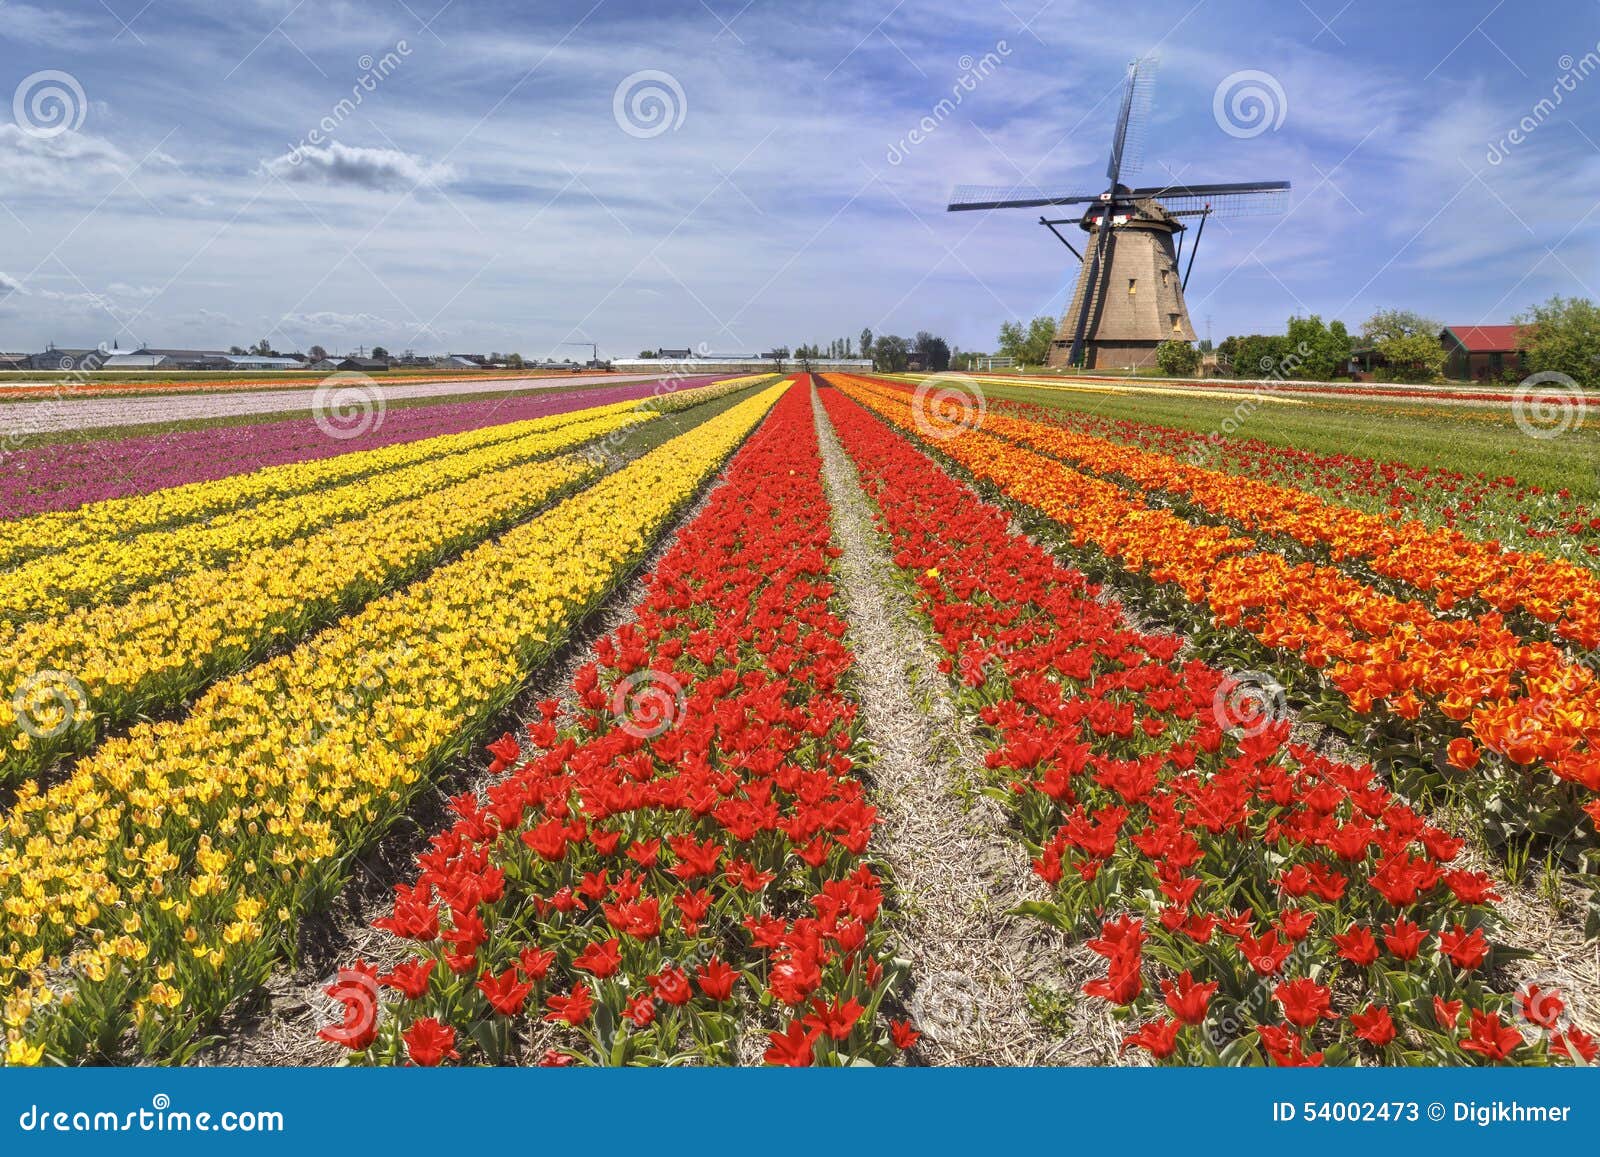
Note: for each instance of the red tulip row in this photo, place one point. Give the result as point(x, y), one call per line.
point(1252, 900)
point(678, 852)
point(1434, 678)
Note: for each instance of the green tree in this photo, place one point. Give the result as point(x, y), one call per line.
point(866, 343)
point(316, 353)
point(934, 350)
point(1563, 336)
point(380, 354)
point(889, 353)
point(1319, 352)
point(1407, 342)
point(1029, 345)
point(1258, 355)
point(1177, 358)
point(648, 354)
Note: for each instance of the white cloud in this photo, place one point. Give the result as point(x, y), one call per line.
point(365, 168)
point(58, 162)
point(10, 285)
point(121, 289)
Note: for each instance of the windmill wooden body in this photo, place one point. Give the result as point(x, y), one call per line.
point(1129, 295)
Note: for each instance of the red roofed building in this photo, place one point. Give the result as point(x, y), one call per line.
point(1481, 352)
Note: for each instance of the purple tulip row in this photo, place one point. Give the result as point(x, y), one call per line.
point(65, 475)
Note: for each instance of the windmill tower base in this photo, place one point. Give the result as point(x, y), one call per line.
point(1138, 303)
point(1105, 355)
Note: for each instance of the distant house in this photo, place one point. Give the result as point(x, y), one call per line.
point(455, 362)
point(55, 358)
point(189, 359)
point(119, 361)
point(364, 365)
point(15, 361)
point(256, 362)
point(471, 359)
point(1481, 352)
point(675, 355)
point(326, 365)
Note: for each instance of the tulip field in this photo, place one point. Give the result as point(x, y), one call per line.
point(554, 730)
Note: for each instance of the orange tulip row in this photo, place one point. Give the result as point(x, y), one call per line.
point(1524, 700)
point(1453, 568)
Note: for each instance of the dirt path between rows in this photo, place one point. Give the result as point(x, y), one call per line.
point(955, 868)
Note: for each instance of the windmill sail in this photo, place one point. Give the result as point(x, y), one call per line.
point(1127, 146)
point(1241, 199)
point(1016, 197)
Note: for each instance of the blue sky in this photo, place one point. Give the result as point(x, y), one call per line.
point(486, 192)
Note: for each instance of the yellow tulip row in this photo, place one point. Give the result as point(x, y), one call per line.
point(64, 680)
point(59, 530)
point(110, 568)
point(189, 848)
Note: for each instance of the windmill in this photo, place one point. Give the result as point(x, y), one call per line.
point(1129, 298)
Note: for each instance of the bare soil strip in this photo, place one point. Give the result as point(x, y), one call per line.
point(986, 988)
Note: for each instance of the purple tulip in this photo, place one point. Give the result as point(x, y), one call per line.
point(65, 475)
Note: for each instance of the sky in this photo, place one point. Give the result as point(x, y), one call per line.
point(477, 175)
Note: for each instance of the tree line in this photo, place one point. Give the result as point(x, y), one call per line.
point(1401, 345)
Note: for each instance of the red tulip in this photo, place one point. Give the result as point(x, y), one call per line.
point(428, 1042)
